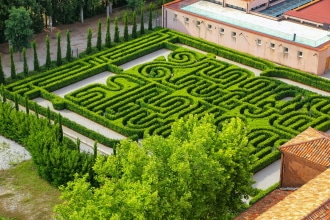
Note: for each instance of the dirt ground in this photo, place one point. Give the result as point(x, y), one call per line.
point(78, 36)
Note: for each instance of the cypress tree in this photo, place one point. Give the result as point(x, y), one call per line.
point(36, 65)
point(36, 109)
point(78, 144)
point(2, 74)
point(126, 27)
point(107, 34)
point(89, 41)
point(95, 150)
point(68, 46)
point(48, 114)
point(27, 105)
point(12, 64)
point(60, 129)
point(3, 93)
point(116, 37)
point(134, 34)
point(48, 60)
point(99, 36)
point(25, 65)
point(59, 52)
point(150, 17)
point(16, 102)
point(142, 23)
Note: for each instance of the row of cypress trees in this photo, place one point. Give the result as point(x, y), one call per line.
point(89, 50)
point(57, 159)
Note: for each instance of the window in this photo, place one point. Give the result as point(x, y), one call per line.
point(272, 46)
point(198, 23)
point(209, 26)
point(300, 54)
point(186, 19)
point(285, 50)
point(221, 31)
point(233, 34)
point(175, 16)
point(258, 42)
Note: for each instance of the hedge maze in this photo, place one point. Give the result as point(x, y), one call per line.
point(147, 98)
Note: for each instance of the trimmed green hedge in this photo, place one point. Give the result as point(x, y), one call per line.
point(263, 193)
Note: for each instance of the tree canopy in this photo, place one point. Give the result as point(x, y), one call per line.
point(197, 172)
point(18, 28)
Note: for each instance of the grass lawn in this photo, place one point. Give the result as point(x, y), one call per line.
point(24, 195)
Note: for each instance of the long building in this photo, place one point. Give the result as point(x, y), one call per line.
point(294, 33)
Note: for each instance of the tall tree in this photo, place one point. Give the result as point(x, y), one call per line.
point(150, 17)
point(116, 37)
point(99, 36)
point(12, 63)
point(126, 27)
point(107, 34)
point(25, 64)
point(18, 29)
point(142, 23)
point(198, 172)
point(59, 52)
point(68, 46)
point(2, 74)
point(134, 28)
point(36, 65)
point(89, 41)
point(48, 60)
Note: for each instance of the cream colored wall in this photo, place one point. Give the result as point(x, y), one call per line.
point(239, 3)
point(246, 41)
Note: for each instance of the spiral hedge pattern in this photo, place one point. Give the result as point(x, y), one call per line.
point(148, 98)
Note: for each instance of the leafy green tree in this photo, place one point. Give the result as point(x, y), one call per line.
point(12, 63)
point(150, 17)
point(2, 74)
point(116, 37)
point(48, 60)
point(134, 4)
point(142, 23)
point(134, 28)
point(18, 28)
point(25, 64)
point(36, 65)
point(197, 172)
point(68, 46)
point(99, 36)
point(59, 52)
point(126, 27)
point(107, 34)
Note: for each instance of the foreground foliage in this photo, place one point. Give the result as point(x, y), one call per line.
point(197, 172)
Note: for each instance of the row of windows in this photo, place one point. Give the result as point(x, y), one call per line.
point(234, 34)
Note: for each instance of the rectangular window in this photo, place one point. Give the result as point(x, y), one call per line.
point(300, 54)
point(186, 19)
point(233, 34)
point(175, 16)
point(272, 46)
point(221, 31)
point(209, 26)
point(258, 41)
point(285, 50)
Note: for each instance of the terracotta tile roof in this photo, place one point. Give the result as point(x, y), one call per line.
point(300, 203)
point(312, 145)
point(323, 212)
point(263, 204)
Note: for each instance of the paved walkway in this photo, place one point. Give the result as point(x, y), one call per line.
point(268, 176)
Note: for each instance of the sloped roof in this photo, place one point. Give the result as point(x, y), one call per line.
point(311, 145)
point(310, 198)
point(323, 212)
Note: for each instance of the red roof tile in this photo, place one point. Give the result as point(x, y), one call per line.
point(307, 145)
point(323, 212)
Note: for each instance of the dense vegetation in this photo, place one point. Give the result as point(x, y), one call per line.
point(197, 172)
point(148, 98)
